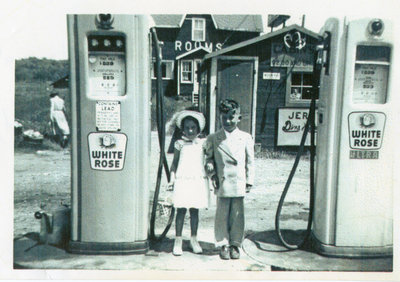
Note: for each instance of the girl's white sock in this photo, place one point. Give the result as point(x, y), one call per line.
point(195, 245)
point(177, 251)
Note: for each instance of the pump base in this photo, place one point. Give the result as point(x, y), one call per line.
point(97, 248)
point(350, 252)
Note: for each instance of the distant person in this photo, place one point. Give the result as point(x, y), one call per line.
point(188, 177)
point(229, 157)
point(59, 123)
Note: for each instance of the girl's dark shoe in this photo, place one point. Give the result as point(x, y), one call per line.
point(234, 252)
point(224, 253)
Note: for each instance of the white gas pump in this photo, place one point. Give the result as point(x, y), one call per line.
point(355, 156)
point(110, 98)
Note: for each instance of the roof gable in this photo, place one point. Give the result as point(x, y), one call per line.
point(191, 52)
point(250, 23)
point(261, 38)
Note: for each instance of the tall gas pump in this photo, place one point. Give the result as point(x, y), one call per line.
point(110, 97)
point(356, 129)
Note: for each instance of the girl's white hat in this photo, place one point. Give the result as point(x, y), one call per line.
point(197, 115)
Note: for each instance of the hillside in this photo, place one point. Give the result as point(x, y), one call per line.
point(32, 88)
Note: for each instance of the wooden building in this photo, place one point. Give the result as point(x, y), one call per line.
point(186, 39)
point(270, 76)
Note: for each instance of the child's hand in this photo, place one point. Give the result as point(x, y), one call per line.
point(170, 186)
point(215, 183)
point(248, 187)
point(210, 168)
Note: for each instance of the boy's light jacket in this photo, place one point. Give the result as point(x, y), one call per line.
point(234, 168)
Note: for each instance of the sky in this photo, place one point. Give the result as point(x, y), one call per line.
point(38, 27)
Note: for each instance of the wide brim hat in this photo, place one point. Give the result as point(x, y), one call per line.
point(196, 115)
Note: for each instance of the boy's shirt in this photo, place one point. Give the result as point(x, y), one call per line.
point(232, 155)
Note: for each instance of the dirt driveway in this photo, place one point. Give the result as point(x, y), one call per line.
point(42, 178)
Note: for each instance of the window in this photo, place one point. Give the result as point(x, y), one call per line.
point(167, 70)
point(301, 87)
point(198, 29)
point(186, 71)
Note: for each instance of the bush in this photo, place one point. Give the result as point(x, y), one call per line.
point(171, 106)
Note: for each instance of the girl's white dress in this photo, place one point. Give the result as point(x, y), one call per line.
point(191, 188)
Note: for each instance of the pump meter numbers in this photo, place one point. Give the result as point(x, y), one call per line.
point(107, 74)
point(370, 83)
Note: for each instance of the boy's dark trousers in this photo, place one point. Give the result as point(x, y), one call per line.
point(229, 221)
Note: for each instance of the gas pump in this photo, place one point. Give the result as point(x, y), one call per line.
point(351, 197)
point(355, 156)
point(110, 97)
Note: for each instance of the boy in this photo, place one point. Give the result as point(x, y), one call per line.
point(229, 161)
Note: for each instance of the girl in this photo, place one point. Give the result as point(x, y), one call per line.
point(188, 177)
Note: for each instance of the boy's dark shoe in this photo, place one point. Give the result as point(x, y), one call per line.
point(235, 253)
point(224, 253)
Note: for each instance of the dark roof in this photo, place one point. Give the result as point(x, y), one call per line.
point(61, 83)
point(261, 38)
point(276, 20)
point(191, 52)
point(225, 22)
point(167, 20)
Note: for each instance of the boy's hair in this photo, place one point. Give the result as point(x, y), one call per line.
point(228, 105)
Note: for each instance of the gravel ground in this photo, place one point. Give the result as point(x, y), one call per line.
point(42, 179)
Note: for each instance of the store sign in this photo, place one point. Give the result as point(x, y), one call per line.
point(281, 56)
point(291, 124)
point(192, 45)
point(272, 75)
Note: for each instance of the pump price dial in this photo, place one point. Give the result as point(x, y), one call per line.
point(370, 83)
point(107, 74)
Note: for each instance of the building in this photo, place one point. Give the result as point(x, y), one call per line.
point(186, 39)
point(271, 76)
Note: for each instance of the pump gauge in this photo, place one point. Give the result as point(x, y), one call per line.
point(107, 66)
point(370, 83)
point(371, 73)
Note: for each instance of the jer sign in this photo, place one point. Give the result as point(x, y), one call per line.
point(291, 123)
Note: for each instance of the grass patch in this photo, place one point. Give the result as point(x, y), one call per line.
point(284, 154)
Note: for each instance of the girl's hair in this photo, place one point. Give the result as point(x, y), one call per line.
point(193, 119)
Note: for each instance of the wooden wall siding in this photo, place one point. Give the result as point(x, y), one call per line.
point(270, 93)
point(213, 37)
point(186, 89)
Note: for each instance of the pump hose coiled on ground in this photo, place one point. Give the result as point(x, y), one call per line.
point(310, 126)
point(161, 138)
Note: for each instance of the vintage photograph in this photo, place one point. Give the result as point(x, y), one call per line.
point(245, 145)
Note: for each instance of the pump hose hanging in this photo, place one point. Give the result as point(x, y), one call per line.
point(310, 126)
point(161, 138)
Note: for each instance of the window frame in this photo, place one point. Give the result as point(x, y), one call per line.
point(182, 71)
point(289, 86)
point(153, 70)
point(203, 28)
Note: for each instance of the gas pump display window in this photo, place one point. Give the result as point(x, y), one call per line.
point(371, 74)
point(106, 65)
